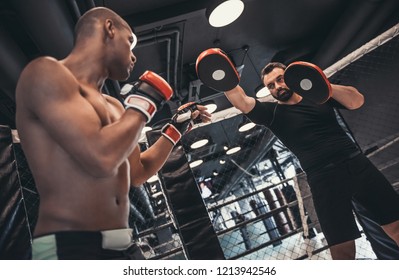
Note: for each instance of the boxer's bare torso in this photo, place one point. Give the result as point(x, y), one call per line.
point(72, 196)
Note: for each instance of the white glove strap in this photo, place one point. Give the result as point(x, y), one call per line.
point(142, 104)
point(183, 117)
point(171, 133)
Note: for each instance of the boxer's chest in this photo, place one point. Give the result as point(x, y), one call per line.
point(105, 108)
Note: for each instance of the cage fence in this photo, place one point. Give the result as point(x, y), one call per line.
point(260, 205)
point(256, 196)
point(253, 198)
point(152, 222)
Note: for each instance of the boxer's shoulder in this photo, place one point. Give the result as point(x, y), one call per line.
point(46, 70)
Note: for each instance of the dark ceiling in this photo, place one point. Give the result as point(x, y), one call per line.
point(172, 33)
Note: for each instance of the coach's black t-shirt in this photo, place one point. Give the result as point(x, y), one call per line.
point(309, 130)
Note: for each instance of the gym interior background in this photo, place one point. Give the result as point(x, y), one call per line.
point(251, 204)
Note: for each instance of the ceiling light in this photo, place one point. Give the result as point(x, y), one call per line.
point(222, 13)
point(143, 134)
point(211, 107)
point(222, 161)
point(196, 163)
point(275, 180)
point(153, 179)
point(126, 88)
point(199, 143)
point(246, 126)
point(215, 173)
point(263, 92)
point(146, 128)
point(233, 150)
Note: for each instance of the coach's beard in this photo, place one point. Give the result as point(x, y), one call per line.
point(283, 94)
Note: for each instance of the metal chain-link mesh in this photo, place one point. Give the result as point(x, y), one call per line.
point(376, 125)
point(151, 219)
point(29, 192)
point(251, 196)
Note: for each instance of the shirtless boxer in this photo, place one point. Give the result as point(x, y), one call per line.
point(81, 145)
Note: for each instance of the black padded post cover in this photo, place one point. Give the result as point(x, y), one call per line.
point(14, 228)
point(184, 198)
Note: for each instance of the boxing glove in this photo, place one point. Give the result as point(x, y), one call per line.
point(180, 123)
point(308, 80)
point(216, 70)
point(147, 95)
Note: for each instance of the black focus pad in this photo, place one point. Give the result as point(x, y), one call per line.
point(308, 80)
point(216, 70)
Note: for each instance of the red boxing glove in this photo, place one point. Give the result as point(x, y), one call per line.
point(180, 124)
point(148, 94)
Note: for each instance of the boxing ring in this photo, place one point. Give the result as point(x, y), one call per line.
point(263, 210)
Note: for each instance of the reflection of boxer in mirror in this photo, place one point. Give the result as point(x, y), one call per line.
point(205, 191)
point(81, 145)
point(337, 171)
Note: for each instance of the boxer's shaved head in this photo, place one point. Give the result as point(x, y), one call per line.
point(86, 23)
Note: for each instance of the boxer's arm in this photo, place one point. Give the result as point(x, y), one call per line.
point(145, 164)
point(348, 96)
point(240, 100)
point(52, 96)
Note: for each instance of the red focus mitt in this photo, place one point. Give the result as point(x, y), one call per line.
point(308, 80)
point(216, 70)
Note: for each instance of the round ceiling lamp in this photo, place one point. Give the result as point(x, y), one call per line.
point(233, 150)
point(223, 12)
point(199, 143)
point(263, 92)
point(246, 126)
point(153, 179)
point(196, 163)
point(211, 107)
point(146, 128)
